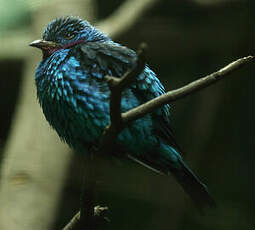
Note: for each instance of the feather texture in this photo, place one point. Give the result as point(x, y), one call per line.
point(74, 97)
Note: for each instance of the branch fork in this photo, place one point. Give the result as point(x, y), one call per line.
point(119, 121)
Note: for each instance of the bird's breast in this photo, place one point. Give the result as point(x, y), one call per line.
point(74, 104)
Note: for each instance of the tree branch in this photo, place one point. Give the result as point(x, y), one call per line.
point(192, 87)
point(117, 85)
point(99, 213)
point(120, 120)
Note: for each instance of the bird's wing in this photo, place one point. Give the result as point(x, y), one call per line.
point(114, 59)
point(111, 59)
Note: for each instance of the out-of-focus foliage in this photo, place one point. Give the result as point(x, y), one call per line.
point(14, 14)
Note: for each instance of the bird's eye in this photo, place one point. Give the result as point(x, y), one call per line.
point(68, 36)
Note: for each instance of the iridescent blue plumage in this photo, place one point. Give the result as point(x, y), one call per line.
point(74, 97)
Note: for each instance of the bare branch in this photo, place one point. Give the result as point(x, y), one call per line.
point(117, 85)
point(73, 222)
point(99, 213)
point(193, 87)
point(119, 121)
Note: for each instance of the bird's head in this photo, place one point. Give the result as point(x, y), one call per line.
point(66, 32)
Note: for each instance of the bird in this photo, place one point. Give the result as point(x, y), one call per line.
point(73, 93)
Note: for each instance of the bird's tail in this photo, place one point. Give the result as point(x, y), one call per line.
point(170, 162)
point(191, 184)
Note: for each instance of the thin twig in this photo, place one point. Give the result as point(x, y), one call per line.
point(117, 85)
point(85, 218)
point(122, 120)
point(119, 121)
point(88, 193)
point(75, 224)
point(177, 94)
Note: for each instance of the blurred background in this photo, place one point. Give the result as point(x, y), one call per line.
point(41, 178)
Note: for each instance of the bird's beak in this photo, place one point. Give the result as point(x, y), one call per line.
point(45, 45)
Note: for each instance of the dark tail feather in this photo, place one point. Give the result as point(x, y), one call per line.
point(187, 179)
point(193, 186)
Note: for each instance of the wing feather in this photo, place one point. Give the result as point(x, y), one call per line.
point(114, 59)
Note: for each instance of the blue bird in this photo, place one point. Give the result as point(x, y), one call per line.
point(74, 97)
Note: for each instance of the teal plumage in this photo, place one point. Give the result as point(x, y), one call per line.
point(74, 96)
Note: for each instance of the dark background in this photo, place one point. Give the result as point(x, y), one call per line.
point(215, 127)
